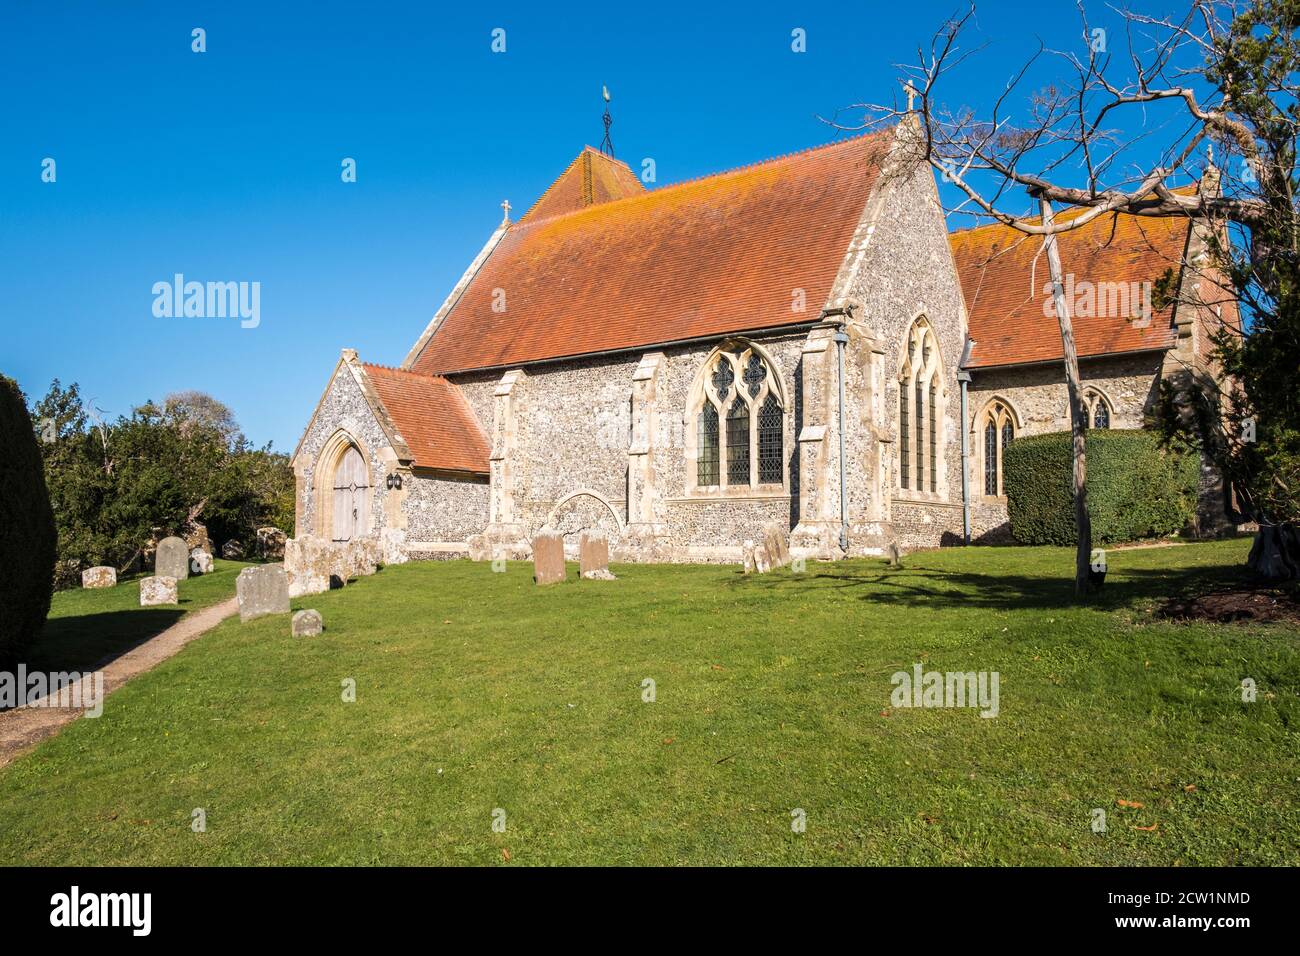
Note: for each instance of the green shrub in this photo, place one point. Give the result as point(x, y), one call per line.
point(1136, 489)
point(28, 540)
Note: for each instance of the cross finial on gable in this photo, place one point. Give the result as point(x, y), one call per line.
point(505, 208)
point(911, 95)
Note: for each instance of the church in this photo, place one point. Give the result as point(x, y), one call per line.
point(800, 342)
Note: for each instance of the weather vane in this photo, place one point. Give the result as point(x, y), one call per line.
point(607, 145)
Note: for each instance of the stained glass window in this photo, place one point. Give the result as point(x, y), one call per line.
point(920, 436)
point(770, 442)
point(738, 443)
point(1101, 414)
point(706, 467)
point(723, 376)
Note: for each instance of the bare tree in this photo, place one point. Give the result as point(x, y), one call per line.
point(1112, 136)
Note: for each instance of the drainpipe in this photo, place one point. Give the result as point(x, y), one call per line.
point(963, 377)
point(841, 339)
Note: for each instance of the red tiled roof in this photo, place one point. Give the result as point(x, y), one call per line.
point(590, 179)
point(433, 418)
point(1003, 277)
point(706, 257)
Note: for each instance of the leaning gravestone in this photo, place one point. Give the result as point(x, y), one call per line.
point(778, 549)
point(158, 590)
point(172, 559)
point(593, 553)
point(548, 557)
point(100, 577)
point(262, 591)
point(306, 623)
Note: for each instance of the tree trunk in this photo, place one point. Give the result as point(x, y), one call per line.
point(1078, 411)
point(1275, 555)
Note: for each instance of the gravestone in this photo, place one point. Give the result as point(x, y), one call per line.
point(762, 560)
point(100, 577)
point(200, 561)
point(262, 591)
point(778, 548)
point(172, 559)
point(158, 590)
point(548, 558)
point(308, 562)
point(747, 556)
point(306, 623)
point(593, 555)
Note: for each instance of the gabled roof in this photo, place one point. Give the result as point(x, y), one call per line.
point(1003, 276)
point(707, 257)
point(433, 418)
point(591, 178)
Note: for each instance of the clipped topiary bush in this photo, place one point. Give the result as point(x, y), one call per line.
point(28, 541)
point(1136, 489)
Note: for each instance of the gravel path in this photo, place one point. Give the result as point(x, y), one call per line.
point(24, 727)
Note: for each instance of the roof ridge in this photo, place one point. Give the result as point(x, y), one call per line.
point(394, 368)
point(745, 167)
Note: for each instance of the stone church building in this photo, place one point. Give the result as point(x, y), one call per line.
point(799, 342)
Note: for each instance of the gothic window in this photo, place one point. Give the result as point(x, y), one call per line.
point(1098, 408)
point(920, 400)
point(998, 428)
point(740, 421)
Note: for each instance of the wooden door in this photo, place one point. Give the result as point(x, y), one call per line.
point(351, 496)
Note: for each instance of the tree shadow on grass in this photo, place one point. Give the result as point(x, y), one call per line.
point(915, 584)
point(90, 641)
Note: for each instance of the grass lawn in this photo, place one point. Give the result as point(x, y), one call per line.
point(87, 625)
point(477, 691)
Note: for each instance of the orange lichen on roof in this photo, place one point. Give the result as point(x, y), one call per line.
point(433, 419)
point(1005, 282)
point(712, 256)
point(590, 179)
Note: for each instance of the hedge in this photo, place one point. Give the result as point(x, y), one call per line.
point(28, 540)
point(1136, 489)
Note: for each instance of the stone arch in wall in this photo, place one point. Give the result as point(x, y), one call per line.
point(343, 490)
point(921, 413)
point(992, 428)
point(580, 510)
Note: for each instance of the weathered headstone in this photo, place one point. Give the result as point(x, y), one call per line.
point(593, 556)
point(895, 553)
point(262, 591)
point(158, 590)
point(778, 548)
point(197, 537)
point(172, 559)
point(762, 561)
point(392, 546)
point(100, 577)
point(308, 563)
point(548, 557)
point(200, 561)
point(270, 544)
point(747, 554)
point(232, 550)
point(306, 623)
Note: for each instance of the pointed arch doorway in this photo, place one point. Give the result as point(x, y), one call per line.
point(350, 497)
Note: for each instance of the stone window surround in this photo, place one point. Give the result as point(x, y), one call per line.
point(1091, 396)
point(702, 389)
point(933, 370)
point(1001, 408)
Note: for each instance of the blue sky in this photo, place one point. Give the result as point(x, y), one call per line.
point(225, 165)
